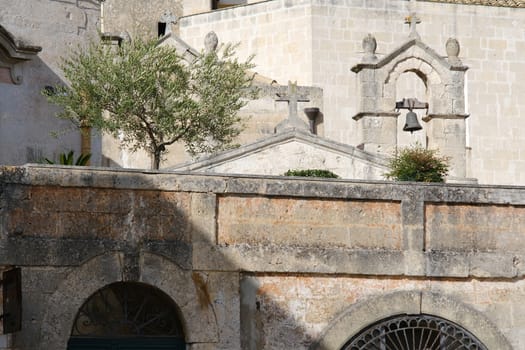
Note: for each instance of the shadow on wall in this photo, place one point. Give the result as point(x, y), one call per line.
point(31, 131)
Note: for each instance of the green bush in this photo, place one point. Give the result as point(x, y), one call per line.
point(312, 173)
point(418, 164)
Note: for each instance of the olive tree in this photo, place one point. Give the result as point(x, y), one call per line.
point(150, 97)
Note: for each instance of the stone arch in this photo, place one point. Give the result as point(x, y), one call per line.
point(128, 312)
point(424, 70)
point(428, 73)
point(198, 321)
point(377, 308)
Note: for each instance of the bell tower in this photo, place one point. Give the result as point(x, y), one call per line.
point(443, 79)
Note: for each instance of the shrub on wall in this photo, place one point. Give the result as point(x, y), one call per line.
point(311, 173)
point(418, 164)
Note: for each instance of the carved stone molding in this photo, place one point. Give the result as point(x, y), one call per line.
point(12, 52)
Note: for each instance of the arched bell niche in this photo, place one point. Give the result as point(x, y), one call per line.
point(411, 84)
point(128, 315)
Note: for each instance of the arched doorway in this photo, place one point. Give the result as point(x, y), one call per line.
point(126, 316)
point(414, 332)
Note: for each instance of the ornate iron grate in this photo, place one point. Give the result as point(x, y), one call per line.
point(128, 309)
point(414, 332)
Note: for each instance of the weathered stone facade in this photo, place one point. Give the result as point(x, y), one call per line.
point(264, 263)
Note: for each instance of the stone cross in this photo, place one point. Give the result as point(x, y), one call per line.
point(412, 20)
point(292, 97)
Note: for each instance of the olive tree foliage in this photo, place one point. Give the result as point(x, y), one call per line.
point(149, 97)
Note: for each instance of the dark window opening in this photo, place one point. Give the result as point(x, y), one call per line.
point(161, 29)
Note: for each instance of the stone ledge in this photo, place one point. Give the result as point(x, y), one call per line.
point(135, 179)
point(295, 259)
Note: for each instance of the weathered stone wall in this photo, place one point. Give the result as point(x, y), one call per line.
point(27, 120)
point(317, 42)
point(264, 263)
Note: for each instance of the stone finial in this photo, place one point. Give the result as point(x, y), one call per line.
point(369, 47)
point(211, 41)
point(412, 20)
point(170, 19)
point(453, 48)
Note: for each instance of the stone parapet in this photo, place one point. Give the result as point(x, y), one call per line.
point(264, 224)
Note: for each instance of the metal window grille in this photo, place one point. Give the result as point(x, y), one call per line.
point(128, 309)
point(414, 332)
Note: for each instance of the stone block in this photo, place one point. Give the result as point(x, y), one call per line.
point(349, 227)
point(466, 227)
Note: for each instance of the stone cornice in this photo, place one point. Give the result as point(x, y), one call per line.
point(14, 50)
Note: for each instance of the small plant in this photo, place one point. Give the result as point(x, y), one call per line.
point(69, 159)
point(418, 164)
point(312, 173)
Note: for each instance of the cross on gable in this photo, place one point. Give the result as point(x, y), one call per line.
point(292, 97)
point(412, 20)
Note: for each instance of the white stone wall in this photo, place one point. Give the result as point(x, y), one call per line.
point(317, 42)
point(278, 35)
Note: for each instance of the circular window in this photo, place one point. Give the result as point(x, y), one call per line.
point(414, 332)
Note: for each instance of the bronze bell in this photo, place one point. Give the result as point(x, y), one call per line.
point(411, 123)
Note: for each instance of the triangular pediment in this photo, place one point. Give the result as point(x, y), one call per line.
point(293, 149)
point(15, 50)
